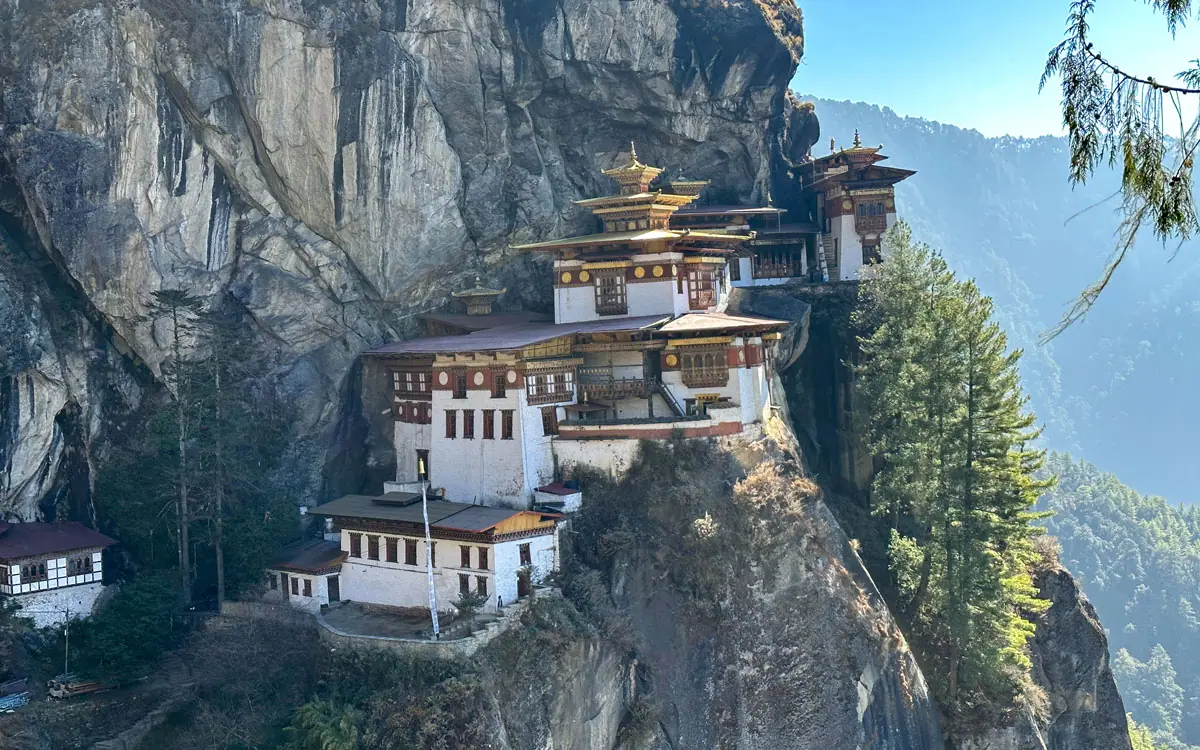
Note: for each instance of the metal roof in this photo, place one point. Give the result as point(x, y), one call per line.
point(638, 236)
point(442, 513)
point(309, 556)
point(716, 321)
point(483, 322)
point(728, 209)
point(29, 539)
point(504, 338)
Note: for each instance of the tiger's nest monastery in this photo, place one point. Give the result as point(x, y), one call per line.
point(489, 409)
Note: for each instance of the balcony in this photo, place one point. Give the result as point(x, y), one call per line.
point(601, 382)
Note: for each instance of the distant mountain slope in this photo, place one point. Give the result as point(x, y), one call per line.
point(1118, 388)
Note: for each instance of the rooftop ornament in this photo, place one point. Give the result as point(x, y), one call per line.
point(635, 177)
point(479, 300)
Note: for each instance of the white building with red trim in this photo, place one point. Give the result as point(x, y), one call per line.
point(499, 405)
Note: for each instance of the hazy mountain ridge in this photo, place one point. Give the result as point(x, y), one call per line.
point(1001, 210)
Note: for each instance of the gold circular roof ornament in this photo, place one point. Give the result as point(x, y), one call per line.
point(672, 360)
point(566, 277)
point(584, 276)
point(658, 271)
point(639, 272)
point(847, 205)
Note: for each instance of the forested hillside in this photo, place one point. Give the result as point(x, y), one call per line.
point(1114, 389)
point(1139, 560)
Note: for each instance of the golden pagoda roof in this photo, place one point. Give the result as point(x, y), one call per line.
point(479, 291)
point(648, 199)
point(635, 176)
point(640, 236)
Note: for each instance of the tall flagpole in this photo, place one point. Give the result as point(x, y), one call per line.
point(428, 550)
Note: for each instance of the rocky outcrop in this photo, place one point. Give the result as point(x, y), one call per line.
point(1071, 664)
point(336, 168)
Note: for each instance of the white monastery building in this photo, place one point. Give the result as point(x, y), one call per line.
point(491, 410)
point(54, 571)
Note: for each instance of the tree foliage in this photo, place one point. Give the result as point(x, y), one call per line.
point(129, 634)
point(1134, 121)
point(948, 420)
point(1139, 560)
point(205, 465)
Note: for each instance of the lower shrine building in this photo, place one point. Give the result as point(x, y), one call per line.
point(498, 553)
point(54, 571)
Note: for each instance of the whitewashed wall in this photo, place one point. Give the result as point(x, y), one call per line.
point(50, 607)
point(491, 472)
point(320, 590)
point(850, 247)
point(408, 439)
point(542, 554)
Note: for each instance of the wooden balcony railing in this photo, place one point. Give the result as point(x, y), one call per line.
point(870, 223)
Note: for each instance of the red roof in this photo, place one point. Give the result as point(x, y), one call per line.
point(30, 539)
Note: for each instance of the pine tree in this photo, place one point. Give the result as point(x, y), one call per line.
point(950, 422)
point(179, 309)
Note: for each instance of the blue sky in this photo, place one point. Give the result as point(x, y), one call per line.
point(971, 63)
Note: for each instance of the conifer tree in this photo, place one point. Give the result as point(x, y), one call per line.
point(949, 420)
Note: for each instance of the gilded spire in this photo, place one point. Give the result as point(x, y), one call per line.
point(857, 140)
point(635, 177)
point(480, 299)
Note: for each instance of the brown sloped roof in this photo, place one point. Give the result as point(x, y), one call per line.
point(309, 556)
point(30, 539)
point(504, 338)
point(482, 322)
point(443, 514)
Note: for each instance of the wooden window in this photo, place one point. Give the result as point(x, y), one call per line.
point(498, 384)
point(610, 293)
point(701, 290)
point(464, 584)
point(481, 586)
point(483, 558)
point(412, 383)
point(33, 572)
point(372, 548)
point(392, 550)
point(460, 385)
point(735, 269)
point(506, 424)
point(550, 387)
point(464, 555)
point(274, 582)
point(704, 368)
point(469, 424)
point(283, 580)
point(871, 253)
point(308, 587)
point(549, 420)
point(356, 545)
point(526, 558)
point(295, 587)
point(410, 552)
point(489, 424)
point(433, 554)
point(451, 423)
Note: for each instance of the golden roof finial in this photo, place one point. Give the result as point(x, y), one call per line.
point(832, 145)
point(632, 153)
point(857, 140)
point(770, 203)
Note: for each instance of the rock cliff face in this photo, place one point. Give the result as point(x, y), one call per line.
point(336, 166)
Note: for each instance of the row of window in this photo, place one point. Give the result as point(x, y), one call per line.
point(612, 297)
point(550, 387)
point(295, 584)
point(391, 549)
point(498, 387)
point(32, 572)
point(464, 585)
point(489, 424)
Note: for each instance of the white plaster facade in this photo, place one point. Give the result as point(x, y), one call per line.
point(850, 244)
point(398, 584)
point(317, 589)
point(665, 296)
point(61, 571)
